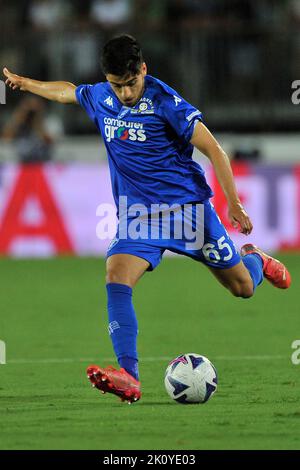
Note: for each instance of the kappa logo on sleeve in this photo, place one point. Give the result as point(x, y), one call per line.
point(177, 100)
point(109, 101)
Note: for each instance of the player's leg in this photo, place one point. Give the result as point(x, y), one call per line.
point(273, 269)
point(126, 263)
point(218, 252)
point(125, 269)
point(123, 272)
point(238, 280)
point(241, 275)
point(243, 278)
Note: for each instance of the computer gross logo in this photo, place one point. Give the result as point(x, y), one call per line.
point(123, 130)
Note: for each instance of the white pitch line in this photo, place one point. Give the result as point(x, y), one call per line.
point(143, 359)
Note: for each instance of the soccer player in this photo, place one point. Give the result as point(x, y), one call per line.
point(150, 132)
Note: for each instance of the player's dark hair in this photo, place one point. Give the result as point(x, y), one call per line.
point(122, 56)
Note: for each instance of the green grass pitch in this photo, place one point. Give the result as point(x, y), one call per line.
point(53, 320)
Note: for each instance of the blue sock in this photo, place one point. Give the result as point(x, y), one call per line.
point(254, 264)
point(123, 327)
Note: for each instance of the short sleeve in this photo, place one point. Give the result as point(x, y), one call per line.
point(85, 95)
point(181, 115)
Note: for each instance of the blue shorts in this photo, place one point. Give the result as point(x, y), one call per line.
point(202, 237)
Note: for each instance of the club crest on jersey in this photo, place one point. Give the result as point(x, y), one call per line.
point(145, 106)
point(123, 130)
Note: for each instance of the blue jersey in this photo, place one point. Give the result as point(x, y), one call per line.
point(148, 145)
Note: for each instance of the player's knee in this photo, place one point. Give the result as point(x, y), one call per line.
point(116, 274)
point(244, 290)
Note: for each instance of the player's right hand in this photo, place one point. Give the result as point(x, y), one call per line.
point(13, 81)
point(239, 218)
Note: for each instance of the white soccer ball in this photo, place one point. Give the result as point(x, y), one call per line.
point(191, 378)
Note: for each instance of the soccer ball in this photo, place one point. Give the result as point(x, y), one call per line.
point(191, 378)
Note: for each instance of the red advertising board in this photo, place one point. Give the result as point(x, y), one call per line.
point(54, 209)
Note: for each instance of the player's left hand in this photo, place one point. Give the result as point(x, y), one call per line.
point(239, 218)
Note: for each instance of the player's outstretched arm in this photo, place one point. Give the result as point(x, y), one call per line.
point(63, 92)
point(204, 141)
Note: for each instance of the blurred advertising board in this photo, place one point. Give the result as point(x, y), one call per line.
point(53, 209)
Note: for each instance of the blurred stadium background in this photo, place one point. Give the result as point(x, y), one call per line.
point(234, 59)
